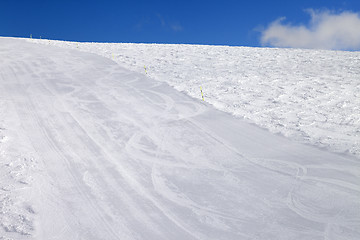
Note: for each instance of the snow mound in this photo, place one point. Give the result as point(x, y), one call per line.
point(312, 96)
point(91, 150)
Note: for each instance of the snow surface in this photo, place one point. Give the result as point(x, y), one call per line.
point(92, 150)
point(309, 95)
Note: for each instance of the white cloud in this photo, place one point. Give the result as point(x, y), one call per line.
point(162, 21)
point(176, 27)
point(326, 30)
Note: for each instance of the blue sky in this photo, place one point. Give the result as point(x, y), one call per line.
point(232, 22)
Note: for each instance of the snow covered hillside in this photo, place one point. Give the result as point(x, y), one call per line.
point(309, 95)
point(92, 150)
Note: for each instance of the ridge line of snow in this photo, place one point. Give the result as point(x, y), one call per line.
point(312, 96)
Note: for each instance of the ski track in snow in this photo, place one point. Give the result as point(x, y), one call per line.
point(91, 150)
point(309, 95)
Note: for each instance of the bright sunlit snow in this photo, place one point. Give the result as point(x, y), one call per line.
point(92, 147)
point(309, 95)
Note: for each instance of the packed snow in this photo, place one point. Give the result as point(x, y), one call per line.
point(309, 95)
point(94, 147)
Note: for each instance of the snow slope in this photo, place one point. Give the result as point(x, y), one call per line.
point(312, 96)
point(91, 150)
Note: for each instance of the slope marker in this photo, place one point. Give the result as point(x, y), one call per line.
point(202, 95)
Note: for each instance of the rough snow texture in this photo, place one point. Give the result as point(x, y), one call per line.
point(18, 167)
point(309, 95)
point(91, 150)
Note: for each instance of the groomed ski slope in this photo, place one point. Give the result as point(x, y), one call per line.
point(312, 96)
point(91, 150)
